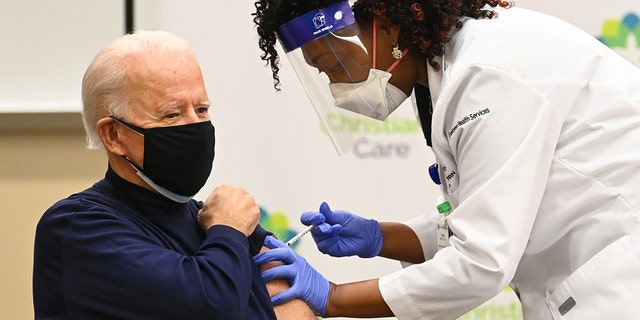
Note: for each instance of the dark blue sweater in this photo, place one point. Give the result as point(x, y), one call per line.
point(119, 251)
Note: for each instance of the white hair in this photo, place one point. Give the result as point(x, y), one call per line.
point(104, 86)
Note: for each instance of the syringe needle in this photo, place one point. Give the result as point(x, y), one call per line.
point(299, 235)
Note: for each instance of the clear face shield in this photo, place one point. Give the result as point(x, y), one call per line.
point(335, 68)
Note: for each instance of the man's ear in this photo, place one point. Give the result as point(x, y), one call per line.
point(109, 132)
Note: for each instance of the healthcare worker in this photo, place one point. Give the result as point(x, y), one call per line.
point(535, 127)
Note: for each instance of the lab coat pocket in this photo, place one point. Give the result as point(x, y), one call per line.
point(605, 287)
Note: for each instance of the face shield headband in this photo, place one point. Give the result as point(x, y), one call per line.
point(314, 25)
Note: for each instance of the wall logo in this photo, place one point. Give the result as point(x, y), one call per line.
point(278, 223)
point(623, 36)
point(376, 139)
point(508, 311)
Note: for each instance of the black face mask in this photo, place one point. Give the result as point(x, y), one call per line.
point(176, 158)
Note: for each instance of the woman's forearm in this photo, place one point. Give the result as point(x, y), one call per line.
point(358, 300)
point(400, 243)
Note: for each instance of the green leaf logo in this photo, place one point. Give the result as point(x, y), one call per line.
point(623, 36)
point(278, 223)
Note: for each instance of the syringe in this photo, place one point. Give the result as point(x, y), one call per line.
point(299, 235)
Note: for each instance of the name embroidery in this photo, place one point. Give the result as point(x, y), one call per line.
point(466, 119)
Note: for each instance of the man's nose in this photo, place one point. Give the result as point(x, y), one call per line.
point(192, 116)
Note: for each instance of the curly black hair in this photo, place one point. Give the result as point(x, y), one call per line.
point(425, 24)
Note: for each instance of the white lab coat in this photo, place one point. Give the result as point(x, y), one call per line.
point(536, 129)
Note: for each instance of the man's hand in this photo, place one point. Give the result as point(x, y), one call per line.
point(231, 206)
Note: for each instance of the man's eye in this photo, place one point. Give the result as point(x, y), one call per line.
point(203, 110)
point(171, 116)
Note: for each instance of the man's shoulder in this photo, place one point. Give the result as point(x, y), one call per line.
point(86, 201)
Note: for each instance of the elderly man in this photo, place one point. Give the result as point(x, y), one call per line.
point(136, 245)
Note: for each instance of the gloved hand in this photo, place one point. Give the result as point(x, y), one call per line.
point(341, 233)
point(306, 283)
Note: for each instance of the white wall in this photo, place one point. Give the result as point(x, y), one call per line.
point(47, 45)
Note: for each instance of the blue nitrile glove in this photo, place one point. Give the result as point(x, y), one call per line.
point(341, 233)
point(306, 283)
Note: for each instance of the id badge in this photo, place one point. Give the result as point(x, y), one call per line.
point(443, 226)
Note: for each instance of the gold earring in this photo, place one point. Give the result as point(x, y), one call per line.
point(396, 53)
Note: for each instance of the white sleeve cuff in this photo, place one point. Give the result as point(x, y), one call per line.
point(424, 226)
